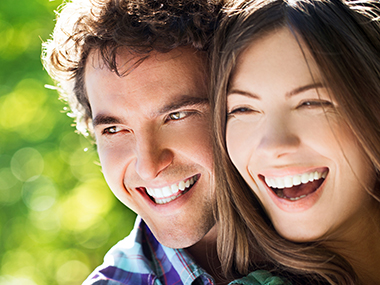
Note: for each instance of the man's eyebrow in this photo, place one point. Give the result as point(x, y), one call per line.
point(104, 120)
point(184, 101)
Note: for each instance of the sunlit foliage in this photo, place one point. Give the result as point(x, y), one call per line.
point(57, 216)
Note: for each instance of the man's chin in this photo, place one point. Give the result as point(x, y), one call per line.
point(185, 238)
point(177, 241)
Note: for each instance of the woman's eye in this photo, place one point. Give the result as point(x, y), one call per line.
point(317, 103)
point(240, 110)
point(177, 116)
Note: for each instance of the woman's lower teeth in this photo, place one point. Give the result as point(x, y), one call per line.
point(280, 194)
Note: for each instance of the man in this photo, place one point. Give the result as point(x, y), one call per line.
point(135, 74)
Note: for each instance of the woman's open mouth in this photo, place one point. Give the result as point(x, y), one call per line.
point(297, 186)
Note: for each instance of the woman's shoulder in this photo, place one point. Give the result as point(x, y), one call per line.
point(261, 277)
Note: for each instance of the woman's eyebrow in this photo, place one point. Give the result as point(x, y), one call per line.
point(295, 91)
point(243, 93)
point(304, 88)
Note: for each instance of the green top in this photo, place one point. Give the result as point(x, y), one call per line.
point(261, 277)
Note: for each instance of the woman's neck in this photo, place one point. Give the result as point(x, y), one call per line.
point(360, 245)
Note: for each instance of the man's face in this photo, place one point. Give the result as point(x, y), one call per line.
point(152, 128)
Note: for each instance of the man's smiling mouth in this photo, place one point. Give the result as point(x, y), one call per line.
point(169, 193)
point(297, 186)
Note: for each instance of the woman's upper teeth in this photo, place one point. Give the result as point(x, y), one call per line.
point(167, 191)
point(290, 181)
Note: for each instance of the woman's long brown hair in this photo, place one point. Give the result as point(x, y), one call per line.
point(344, 40)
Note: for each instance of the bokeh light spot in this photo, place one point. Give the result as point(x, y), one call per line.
point(23, 112)
point(10, 280)
point(47, 220)
point(27, 163)
point(9, 187)
point(13, 260)
point(86, 204)
point(72, 272)
point(94, 236)
point(39, 194)
point(7, 179)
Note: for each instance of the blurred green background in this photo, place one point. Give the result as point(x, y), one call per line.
point(57, 216)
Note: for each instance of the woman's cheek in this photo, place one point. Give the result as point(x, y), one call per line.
point(236, 138)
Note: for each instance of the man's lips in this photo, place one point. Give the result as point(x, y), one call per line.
point(169, 193)
point(298, 186)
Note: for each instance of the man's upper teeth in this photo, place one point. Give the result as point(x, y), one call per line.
point(168, 191)
point(290, 181)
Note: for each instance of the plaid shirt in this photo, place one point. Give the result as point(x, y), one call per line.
point(140, 259)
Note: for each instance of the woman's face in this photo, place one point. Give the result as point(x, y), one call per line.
point(287, 141)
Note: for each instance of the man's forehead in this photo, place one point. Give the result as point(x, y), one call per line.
point(127, 60)
point(182, 70)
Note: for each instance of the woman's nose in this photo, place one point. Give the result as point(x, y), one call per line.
point(277, 139)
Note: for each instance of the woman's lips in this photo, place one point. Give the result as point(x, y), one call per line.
point(292, 195)
point(296, 186)
point(298, 192)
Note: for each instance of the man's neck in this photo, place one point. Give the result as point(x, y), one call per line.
point(205, 255)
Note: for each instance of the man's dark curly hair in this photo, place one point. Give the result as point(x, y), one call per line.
point(141, 26)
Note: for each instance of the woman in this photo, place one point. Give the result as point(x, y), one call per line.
point(297, 110)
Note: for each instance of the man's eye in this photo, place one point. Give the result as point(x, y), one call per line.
point(177, 115)
point(111, 130)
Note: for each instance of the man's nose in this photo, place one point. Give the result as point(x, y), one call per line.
point(277, 139)
point(152, 155)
